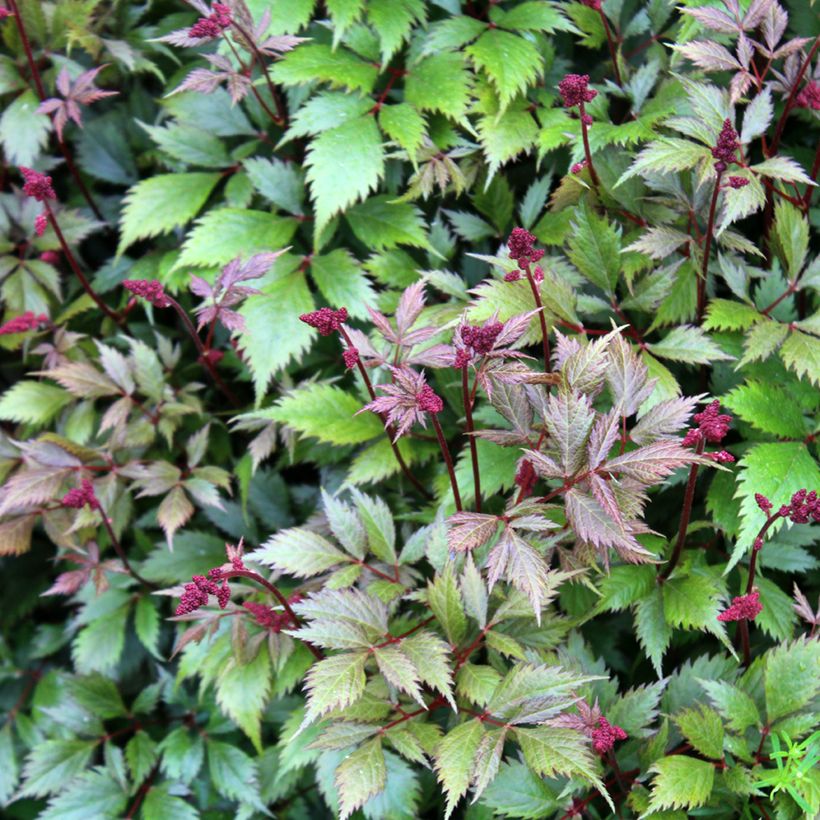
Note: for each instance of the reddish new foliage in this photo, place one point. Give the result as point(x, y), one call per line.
point(149, 289)
point(743, 608)
point(23, 323)
point(325, 320)
point(574, 88)
point(81, 496)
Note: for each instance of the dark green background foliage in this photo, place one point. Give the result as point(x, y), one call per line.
point(392, 143)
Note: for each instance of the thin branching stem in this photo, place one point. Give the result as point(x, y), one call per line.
point(587, 152)
point(545, 339)
point(448, 460)
point(281, 118)
point(707, 247)
point(613, 52)
point(115, 542)
point(686, 513)
point(203, 353)
point(470, 429)
point(75, 266)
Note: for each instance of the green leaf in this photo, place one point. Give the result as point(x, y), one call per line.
point(23, 132)
point(776, 471)
point(189, 144)
point(343, 283)
point(791, 679)
point(182, 754)
point(477, 683)
point(273, 334)
point(688, 344)
point(703, 728)
point(452, 33)
point(444, 598)
point(801, 354)
point(99, 695)
point(738, 203)
point(242, 691)
point(343, 13)
point(361, 775)
point(233, 773)
point(511, 62)
point(681, 782)
point(517, 792)
point(762, 340)
point(757, 117)
point(160, 804)
point(33, 402)
point(767, 407)
point(92, 794)
point(399, 670)
point(778, 617)
point(53, 763)
point(146, 624)
point(311, 62)
point(440, 82)
point(404, 124)
point(393, 21)
point(507, 135)
point(725, 314)
point(160, 203)
point(431, 657)
point(454, 758)
point(624, 585)
point(98, 647)
point(667, 154)
point(9, 769)
point(334, 683)
point(298, 552)
point(594, 248)
point(378, 523)
point(344, 165)
point(535, 15)
point(782, 168)
point(380, 223)
point(141, 753)
point(692, 602)
point(279, 182)
point(737, 708)
point(654, 634)
point(791, 232)
point(225, 233)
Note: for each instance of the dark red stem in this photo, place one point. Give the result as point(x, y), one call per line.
point(707, 248)
point(468, 415)
point(445, 451)
point(587, 153)
point(121, 552)
point(545, 339)
point(612, 50)
point(685, 515)
point(72, 261)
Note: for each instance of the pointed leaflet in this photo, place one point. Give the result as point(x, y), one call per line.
point(653, 462)
point(444, 599)
point(299, 552)
point(431, 657)
point(399, 670)
point(454, 757)
point(510, 62)
point(549, 750)
point(592, 523)
point(605, 432)
point(523, 567)
point(350, 605)
point(487, 760)
point(653, 632)
point(474, 592)
point(791, 680)
point(569, 417)
point(360, 776)
point(703, 729)
point(345, 524)
point(681, 782)
point(378, 523)
point(344, 165)
point(334, 683)
point(595, 248)
point(627, 377)
point(468, 531)
point(666, 418)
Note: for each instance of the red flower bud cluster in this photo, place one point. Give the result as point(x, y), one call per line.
point(578, 167)
point(593, 4)
point(809, 96)
point(605, 736)
point(743, 608)
point(149, 289)
point(725, 151)
point(23, 323)
point(212, 25)
point(325, 320)
point(41, 223)
point(520, 247)
point(81, 496)
point(481, 339)
point(763, 503)
point(525, 477)
point(351, 357)
point(721, 457)
point(713, 424)
point(575, 90)
point(737, 182)
point(803, 508)
point(197, 591)
point(37, 185)
point(428, 401)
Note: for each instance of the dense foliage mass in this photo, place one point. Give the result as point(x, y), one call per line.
point(409, 409)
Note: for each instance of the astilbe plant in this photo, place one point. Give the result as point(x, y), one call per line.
point(409, 409)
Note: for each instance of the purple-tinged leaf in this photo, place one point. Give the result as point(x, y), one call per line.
point(654, 462)
point(569, 418)
point(605, 433)
point(709, 55)
point(410, 306)
point(758, 9)
point(543, 464)
point(468, 530)
point(627, 377)
point(667, 418)
point(714, 19)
